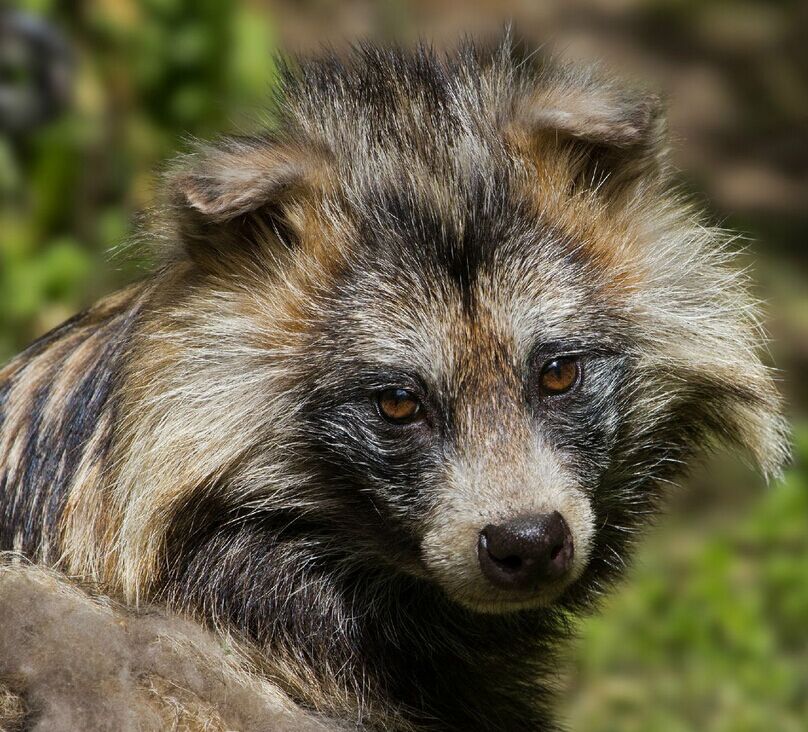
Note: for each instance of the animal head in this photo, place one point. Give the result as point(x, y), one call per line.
point(448, 318)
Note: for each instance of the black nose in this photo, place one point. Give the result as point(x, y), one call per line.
point(523, 553)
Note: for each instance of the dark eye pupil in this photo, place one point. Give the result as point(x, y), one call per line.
point(399, 405)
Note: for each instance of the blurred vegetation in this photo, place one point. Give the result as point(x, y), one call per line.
point(710, 631)
point(147, 76)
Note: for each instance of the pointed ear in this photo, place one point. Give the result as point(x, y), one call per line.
point(613, 134)
point(233, 194)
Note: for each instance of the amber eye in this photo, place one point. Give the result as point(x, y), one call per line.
point(399, 406)
point(559, 375)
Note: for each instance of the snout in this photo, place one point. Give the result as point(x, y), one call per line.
point(527, 552)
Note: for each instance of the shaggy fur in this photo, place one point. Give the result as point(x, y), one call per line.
point(208, 438)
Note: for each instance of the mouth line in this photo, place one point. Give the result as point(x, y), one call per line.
point(487, 604)
point(510, 604)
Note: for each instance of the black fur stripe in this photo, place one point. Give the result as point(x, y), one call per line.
point(33, 491)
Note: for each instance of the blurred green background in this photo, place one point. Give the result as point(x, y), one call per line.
point(710, 630)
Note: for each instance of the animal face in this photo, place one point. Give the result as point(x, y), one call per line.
point(495, 331)
point(471, 382)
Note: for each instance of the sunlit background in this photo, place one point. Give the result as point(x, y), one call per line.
point(710, 630)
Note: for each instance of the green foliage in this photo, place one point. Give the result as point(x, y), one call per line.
point(149, 75)
point(709, 632)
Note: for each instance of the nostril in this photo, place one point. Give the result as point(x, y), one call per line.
point(512, 563)
point(509, 562)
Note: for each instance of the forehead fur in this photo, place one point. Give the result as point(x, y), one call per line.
point(440, 124)
point(461, 150)
point(470, 158)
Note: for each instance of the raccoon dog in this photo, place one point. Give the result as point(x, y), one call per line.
point(416, 365)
